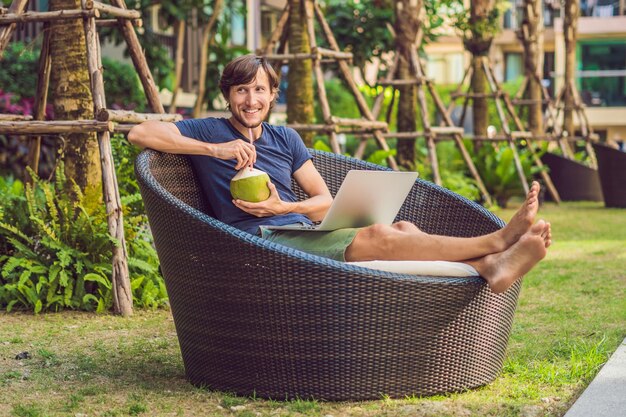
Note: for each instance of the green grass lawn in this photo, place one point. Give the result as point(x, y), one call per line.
point(571, 317)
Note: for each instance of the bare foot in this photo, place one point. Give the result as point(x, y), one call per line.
point(502, 269)
point(523, 219)
point(547, 235)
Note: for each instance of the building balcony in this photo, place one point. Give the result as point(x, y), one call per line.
point(603, 88)
point(602, 8)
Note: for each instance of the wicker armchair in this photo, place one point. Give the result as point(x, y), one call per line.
point(254, 317)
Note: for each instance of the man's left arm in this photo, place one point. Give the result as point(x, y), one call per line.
point(314, 207)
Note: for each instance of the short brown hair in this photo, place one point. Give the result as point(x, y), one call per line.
point(243, 70)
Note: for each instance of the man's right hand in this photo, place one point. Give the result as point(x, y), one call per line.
point(165, 137)
point(244, 152)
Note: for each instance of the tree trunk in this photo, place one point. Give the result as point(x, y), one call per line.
point(207, 34)
point(531, 34)
point(478, 44)
point(406, 26)
point(570, 29)
point(180, 28)
point(300, 108)
point(71, 95)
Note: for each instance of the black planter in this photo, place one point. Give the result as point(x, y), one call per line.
point(612, 170)
point(573, 180)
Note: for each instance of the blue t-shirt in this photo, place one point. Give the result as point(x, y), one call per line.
point(280, 152)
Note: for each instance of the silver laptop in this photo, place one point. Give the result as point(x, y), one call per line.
point(364, 198)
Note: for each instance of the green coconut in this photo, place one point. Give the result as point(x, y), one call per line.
point(250, 184)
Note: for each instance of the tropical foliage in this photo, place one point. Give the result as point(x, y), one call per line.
point(55, 251)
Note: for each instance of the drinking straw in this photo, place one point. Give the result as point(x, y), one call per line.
point(251, 140)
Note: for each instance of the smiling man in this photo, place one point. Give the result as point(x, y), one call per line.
point(218, 147)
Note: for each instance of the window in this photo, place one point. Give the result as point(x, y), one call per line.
point(599, 8)
point(513, 15)
point(446, 68)
point(602, 78)
point(513, 66)
point(238, 24)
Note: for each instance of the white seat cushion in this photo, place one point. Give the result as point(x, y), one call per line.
point(431, 268)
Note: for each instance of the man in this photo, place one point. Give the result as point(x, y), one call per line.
point(220, 147)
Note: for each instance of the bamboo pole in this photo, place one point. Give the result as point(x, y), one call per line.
point(180, 29)
point(123, 128)
point(345, 71)
point(324, 129)
point(313, 127)
point(365, 124)
point(378, 103)
point(15, 117)
point(278, 31)
point(40, 127)
point(17, 7)
point(495, 94)
point(518, 124)
point(465, 102)
point(139, 60)
point(303, 56)
point(319, 76)
point(122, 293)
point(394, 83)
point(458, 139)
point(446, 137)
point(507, 131)
point(447, 130)
point(459, 88)
point(522, 89)
point(41, 98)
point(12, 18)
point(110, 23)
point(127, 116)
point(336, 55)
point(299, 56)
point(282, 43)
point(430, 137)
point(112, 10)
point(207, 35)
point(528, 101)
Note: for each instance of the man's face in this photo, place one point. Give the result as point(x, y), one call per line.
point(250, 103)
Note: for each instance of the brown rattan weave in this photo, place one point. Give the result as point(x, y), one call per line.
point(612, 170)
point(254, 317)
point(573, 180)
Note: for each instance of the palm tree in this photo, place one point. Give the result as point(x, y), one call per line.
point(531, 35)
point(405, 27)
point(71, 95)
point(478, 43)
point(570, 28)
point(300, 77)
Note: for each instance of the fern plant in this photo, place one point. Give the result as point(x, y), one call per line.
point(496, 165)
point(57, 250)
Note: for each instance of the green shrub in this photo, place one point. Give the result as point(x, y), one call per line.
point(20, 64)
point(57, 258)
point(340, 99)
point(56, 251)
point(496, 165)
point(121, 84)
point(18, 70)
